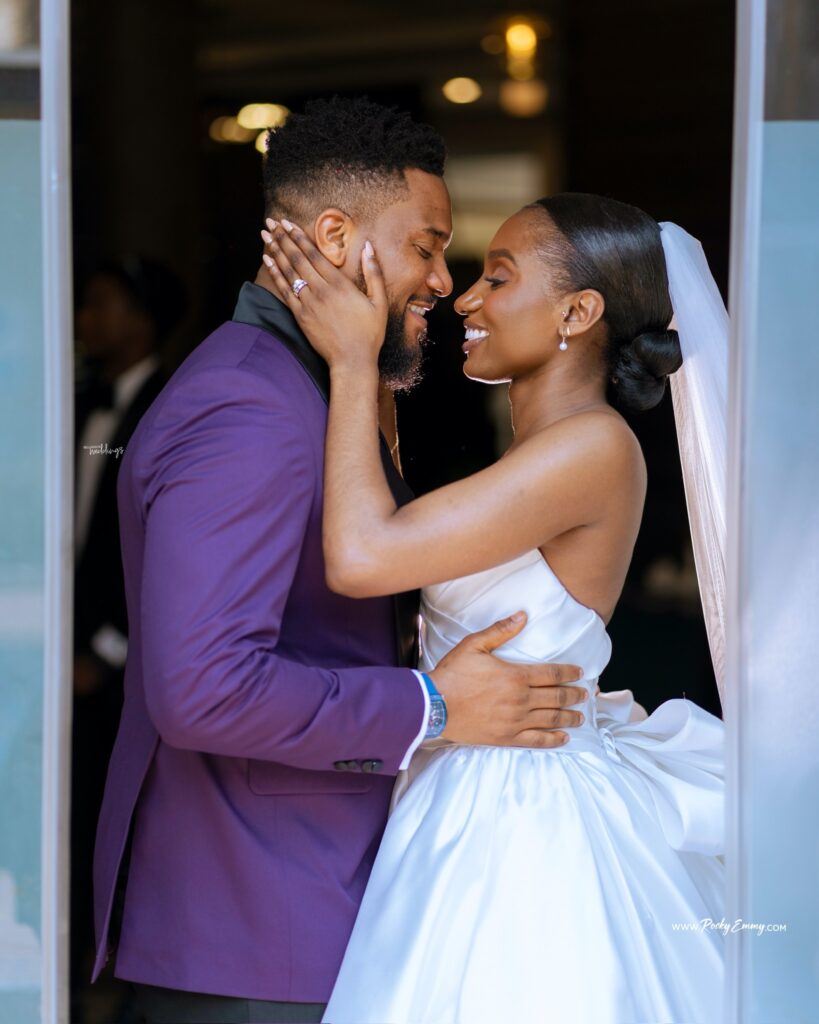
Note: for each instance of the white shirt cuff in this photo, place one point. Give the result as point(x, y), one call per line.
point(420, 737)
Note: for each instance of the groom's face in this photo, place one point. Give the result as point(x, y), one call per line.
point(409, 238)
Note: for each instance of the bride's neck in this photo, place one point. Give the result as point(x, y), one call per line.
point(549, 394)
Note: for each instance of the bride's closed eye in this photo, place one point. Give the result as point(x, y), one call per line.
point(496, 282)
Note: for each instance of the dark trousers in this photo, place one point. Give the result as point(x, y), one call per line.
point(172, 1006)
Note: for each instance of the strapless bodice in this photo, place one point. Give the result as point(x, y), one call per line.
point(675, 754)
point(559, 628)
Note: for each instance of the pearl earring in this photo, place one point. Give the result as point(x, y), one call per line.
point(564, 332)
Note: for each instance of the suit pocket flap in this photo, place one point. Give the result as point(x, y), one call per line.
point(269, 778)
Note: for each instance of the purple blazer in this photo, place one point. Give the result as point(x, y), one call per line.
point(264, 716)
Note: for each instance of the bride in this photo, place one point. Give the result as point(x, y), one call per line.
point(566, 885)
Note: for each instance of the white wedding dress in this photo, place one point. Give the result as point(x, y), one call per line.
point(523, 885)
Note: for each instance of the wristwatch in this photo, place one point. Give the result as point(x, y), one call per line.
point(436, 723)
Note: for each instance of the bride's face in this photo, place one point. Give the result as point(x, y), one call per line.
point(512, 314)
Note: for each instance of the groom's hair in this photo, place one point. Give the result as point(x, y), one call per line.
point(345, 153)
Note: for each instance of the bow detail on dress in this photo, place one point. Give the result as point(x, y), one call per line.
point(677, 757)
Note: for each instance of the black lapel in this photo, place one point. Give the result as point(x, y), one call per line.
point(260, 308)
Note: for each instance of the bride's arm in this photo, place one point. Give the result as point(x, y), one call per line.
point(521, 502)
point(371, 546)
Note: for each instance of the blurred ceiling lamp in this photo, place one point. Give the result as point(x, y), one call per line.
point(493, 44)
point(262, 115)
point(521, 50)
point(228, 129)
point(261, 141)
point(461, 90)
point(521, 39)
point(524, 99)
point(520, 68)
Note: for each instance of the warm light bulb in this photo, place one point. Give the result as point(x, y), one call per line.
point(524, 99)
point(520, 68)
point(521, 39)
point(215, 130)
point(461, 90)
point(262, 115)
point(261, 141)
point(228, 129)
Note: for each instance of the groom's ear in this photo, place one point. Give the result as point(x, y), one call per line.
point(333, 232)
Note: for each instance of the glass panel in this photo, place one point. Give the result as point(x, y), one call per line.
point(775, 821)
point(35, 438)
point(779, 797)
point(21, 570)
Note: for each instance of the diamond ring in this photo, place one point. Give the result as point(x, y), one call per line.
point(298, 285)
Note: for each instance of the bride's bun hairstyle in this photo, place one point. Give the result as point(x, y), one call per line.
point(615, 249)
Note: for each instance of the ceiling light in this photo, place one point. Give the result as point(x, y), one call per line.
point(261, 141)
point(522, 69)
point(262, 115)
point(461, 90)
point(521, 39)
point(524, 99)
point(228, 129)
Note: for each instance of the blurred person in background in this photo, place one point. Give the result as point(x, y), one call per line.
point(128, 308)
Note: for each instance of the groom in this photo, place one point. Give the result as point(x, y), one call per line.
point(265, 717)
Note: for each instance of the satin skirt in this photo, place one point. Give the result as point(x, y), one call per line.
point(563, 887)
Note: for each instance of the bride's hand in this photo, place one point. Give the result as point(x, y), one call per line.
point(343, 324)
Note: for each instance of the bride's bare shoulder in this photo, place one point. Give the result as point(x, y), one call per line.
point(599, 438)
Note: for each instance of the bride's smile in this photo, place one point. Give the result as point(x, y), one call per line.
point(513, 310)
point(473, 335)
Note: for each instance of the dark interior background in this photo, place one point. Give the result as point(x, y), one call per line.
point(640, 108)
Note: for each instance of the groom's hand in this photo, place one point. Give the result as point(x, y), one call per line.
point(496, 703)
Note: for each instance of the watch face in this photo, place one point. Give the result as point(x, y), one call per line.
point(437, 717)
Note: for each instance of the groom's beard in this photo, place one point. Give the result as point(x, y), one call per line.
point(400, 360)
